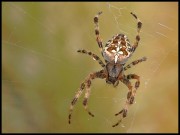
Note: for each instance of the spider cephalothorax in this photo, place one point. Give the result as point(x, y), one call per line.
point(115, 53)
point(113, 72)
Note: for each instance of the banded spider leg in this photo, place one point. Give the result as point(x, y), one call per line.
point(130, 96)
point(85, 85)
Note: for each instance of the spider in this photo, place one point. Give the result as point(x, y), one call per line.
point(116, 53)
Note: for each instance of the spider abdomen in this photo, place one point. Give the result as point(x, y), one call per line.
point(118, 49)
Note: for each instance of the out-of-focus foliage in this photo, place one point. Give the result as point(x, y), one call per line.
point(41, 70)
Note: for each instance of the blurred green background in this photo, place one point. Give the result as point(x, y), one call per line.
point(41, 70)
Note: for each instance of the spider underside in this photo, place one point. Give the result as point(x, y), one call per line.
point(115, 53)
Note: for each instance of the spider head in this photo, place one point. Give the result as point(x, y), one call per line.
point(111, 80)
point(113, 71)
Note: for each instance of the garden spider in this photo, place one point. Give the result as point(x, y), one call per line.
point(116, 53)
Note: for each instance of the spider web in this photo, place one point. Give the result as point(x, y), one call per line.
point(37, 66)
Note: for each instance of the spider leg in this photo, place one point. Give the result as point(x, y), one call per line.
point(85, 85)
point(73, 102)
point(101, 74)
point(95, 57)
point(130, 95)
point(126, 81)
point(124, 111)
point(98, 39)
point(134, 63)
point(139, 25)
point(86, 97)
point(134, 76)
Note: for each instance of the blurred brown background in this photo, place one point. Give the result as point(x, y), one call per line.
point(41, 70)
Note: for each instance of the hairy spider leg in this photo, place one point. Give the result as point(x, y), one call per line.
point(85, 85)
point(73, 102)
point(98, 39)
point(139, 26)
point(134, 63)
point(130, 95)
point(101, 75)
point(95, 57)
